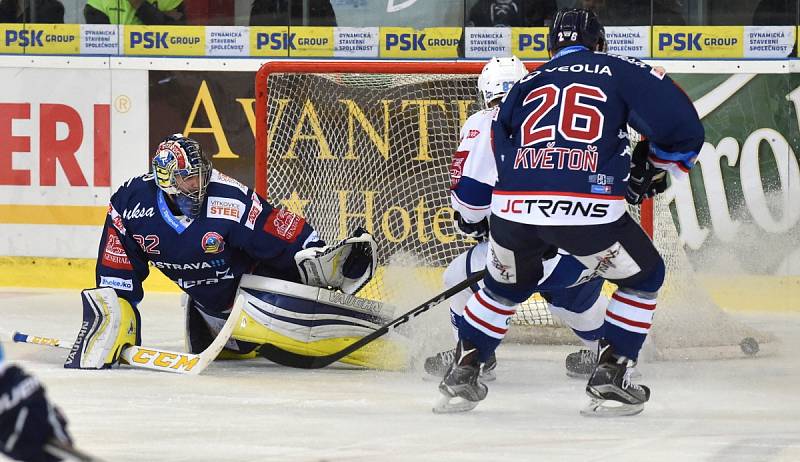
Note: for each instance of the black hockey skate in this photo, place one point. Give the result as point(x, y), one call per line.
point(461, 383)
point(438, 364)
point(611, 389)
point(581, 364)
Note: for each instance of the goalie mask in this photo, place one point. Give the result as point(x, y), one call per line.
point(498, 76)
point(182, 171)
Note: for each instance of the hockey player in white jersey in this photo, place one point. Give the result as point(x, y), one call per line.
point(473, 175)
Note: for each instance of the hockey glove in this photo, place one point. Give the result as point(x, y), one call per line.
point(347, 265)
point(646, 180)
point(478, 231)
point(28, 421)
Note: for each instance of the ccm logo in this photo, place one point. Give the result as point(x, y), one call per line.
point(548, 207)
point(165, 359)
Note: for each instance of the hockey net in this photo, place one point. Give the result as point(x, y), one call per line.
point(369, 144)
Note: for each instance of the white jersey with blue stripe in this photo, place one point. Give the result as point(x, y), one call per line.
point(473, 172)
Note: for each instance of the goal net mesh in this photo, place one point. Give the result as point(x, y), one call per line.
point(371, 149)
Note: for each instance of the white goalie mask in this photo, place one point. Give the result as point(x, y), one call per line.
point(498, 76)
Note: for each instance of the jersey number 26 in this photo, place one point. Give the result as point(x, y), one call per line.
point(577, 120)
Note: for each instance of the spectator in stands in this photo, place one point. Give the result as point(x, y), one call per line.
point(147, 12)
point(42, 11)
point(290, 13)
point(511, 13)
point(635, 12)
point(775, 13)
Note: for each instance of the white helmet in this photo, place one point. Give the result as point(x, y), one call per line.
point(498, 76)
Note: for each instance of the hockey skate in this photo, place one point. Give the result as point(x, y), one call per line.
point(611, 389)
point(461, 388)
point(438, 364)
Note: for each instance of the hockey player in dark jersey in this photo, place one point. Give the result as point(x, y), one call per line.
point(31, 427)
point(204, 230)
point(564, 172)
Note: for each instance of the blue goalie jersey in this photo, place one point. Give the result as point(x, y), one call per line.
point(561, 142)
point(206, 257)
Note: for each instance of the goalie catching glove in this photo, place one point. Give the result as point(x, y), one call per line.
point(646, 180)
point(347, 265)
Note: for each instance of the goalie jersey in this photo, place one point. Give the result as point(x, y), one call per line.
point(561, 142)
point(205, 257)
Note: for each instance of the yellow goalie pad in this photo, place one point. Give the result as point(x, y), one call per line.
point(316, 322)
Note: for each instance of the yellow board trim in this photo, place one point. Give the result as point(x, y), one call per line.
point(734, 293)
point(81, 215)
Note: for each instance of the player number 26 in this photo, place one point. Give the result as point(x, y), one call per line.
point(578, 119)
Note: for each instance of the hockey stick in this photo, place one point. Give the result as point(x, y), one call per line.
point(155, 359)
point(290, 359)
point(67, 452)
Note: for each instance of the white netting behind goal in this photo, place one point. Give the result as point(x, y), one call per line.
point(372, 148)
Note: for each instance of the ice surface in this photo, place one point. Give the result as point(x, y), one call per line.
point(732, 410)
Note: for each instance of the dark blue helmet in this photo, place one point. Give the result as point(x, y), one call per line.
point(575, 26)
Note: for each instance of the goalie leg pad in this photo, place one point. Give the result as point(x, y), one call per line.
point(202, 328)
point(109, 325)
point(316, 322)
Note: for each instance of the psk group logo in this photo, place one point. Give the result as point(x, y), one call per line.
point(529, 42)
point(698, 42)
point(41, 38)
point(213, 242)
point(306, 41)
point(432, 42)
point(164, 41)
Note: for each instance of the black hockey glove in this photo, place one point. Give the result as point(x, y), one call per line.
point(646, 180)
point(478, 231)
point(27, 420)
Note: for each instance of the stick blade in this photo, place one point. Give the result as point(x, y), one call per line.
point(290, 359)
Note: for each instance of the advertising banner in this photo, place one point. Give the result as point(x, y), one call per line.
point(164, 40)
point(215, 108)
point(410, 43)
point(631, 41)
point(56, 164)
point(43, 39)
point(698, 42)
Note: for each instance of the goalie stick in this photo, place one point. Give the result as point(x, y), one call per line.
point(155, 359)
point(290, 359)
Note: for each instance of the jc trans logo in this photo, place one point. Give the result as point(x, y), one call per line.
point(160, 40)
point(276, 41)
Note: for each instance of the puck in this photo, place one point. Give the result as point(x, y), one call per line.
point(749, 346)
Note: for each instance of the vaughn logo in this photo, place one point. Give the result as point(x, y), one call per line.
point(138, 212)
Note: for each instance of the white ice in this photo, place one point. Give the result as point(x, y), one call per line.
point(731, 410)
